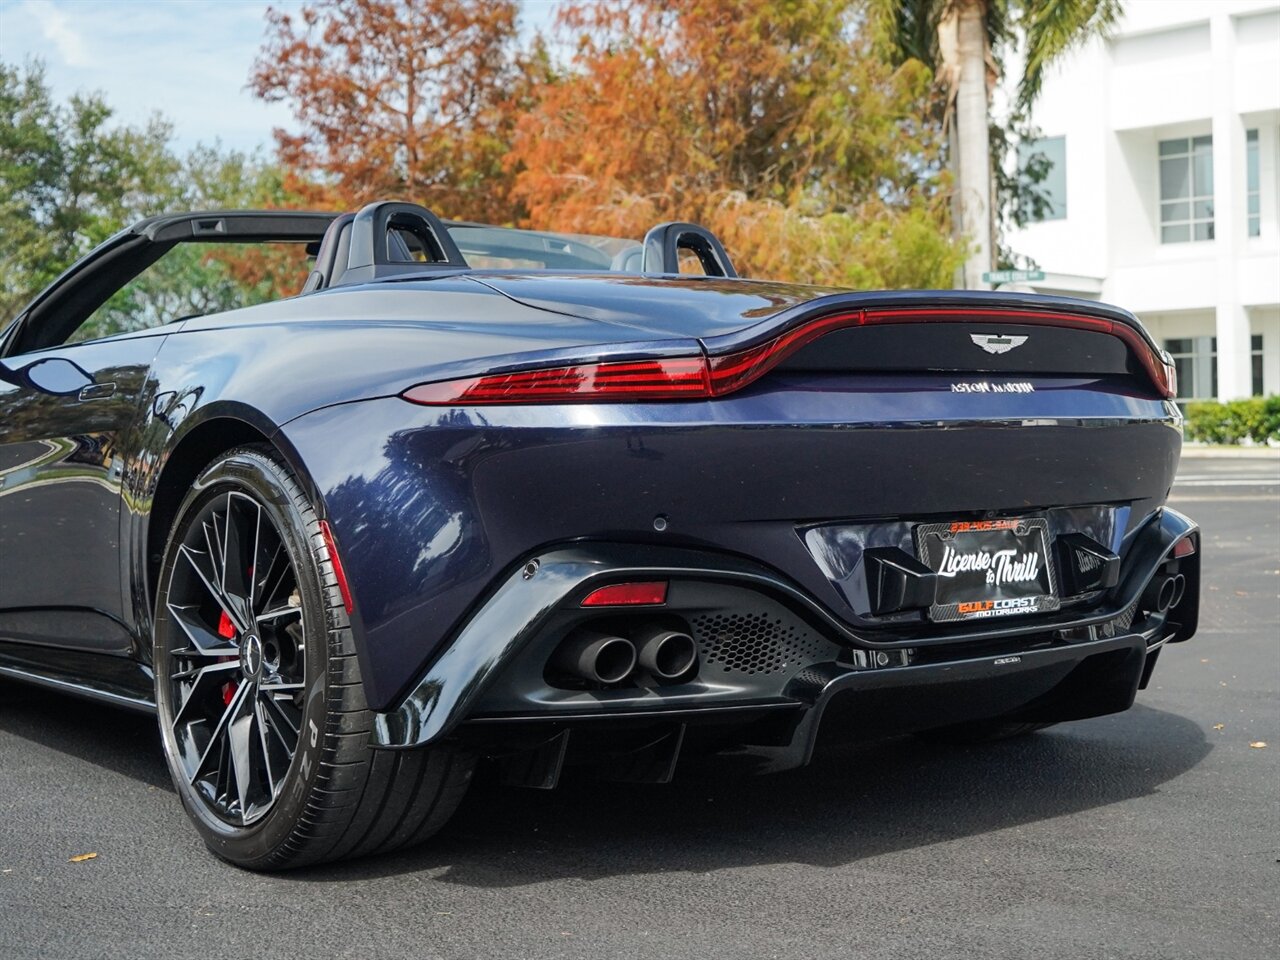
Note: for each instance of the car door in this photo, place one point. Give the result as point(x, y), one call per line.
point(64, 414)
point(71, 389)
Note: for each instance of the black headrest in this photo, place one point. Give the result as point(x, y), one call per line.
point(331, 258)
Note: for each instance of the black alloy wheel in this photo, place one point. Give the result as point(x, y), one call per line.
point(241, 675)
point(262, 711)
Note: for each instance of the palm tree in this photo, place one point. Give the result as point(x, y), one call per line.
point(963, 42)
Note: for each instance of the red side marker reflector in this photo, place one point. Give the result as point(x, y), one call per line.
point(226, 629)
point(1184, 547)
point(339, 574)
point(628, 594)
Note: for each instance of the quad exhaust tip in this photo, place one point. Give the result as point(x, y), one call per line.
point(597, 657)
point(657, 654)
point(667, 655)
point(1164, 592)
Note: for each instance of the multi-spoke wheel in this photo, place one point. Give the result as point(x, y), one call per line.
point(239, 681)
point(258, 687)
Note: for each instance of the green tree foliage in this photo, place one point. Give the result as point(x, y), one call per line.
point(67, 179)
point(1253, 419)
point(70, 178)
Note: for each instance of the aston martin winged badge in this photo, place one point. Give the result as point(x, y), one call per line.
point(995, 343)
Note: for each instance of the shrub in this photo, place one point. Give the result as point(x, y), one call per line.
point(1256, 419)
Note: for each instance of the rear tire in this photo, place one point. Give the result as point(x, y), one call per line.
point(980, 731)
point(262, 710)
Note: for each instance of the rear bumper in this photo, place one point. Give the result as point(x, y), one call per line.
point(433, 508)
point(1076, 663)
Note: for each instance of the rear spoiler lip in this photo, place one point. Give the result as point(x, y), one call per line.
point(803, 313)
point(734, 361)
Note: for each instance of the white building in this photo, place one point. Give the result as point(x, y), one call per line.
point(1166, 185)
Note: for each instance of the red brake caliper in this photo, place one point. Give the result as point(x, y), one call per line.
point(227, 630)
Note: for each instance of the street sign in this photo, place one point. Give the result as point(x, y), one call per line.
point(1012, 276)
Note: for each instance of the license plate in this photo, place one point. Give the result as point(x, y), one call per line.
point(988, 568)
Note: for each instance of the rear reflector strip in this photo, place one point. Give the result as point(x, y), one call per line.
point(702, 378)
point(650, 593)
point(1184, 547)
point(338, 573)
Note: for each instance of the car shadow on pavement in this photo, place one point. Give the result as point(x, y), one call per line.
point(853, 802)
point(118, 740)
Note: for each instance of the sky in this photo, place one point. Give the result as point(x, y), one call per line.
point(186, 59)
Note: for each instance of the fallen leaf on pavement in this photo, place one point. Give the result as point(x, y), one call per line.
point(1258, 744)
point(82, 857)
point(1218, 726)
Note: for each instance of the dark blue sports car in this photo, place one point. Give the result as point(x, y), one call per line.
point(492, 496)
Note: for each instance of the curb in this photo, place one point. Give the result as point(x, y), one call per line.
point(1190, 450)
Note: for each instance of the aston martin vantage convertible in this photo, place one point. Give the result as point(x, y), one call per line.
point(479, 496)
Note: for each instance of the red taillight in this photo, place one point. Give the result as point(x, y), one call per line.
point(735, 370)
point(1184, 547)
point(666, 379)
point(696, 378)
point(338, 573)
point(650, 592)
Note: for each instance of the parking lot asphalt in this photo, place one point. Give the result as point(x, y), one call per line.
point(1152, 833)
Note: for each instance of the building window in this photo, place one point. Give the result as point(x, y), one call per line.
point(1255, 362)
point(1196, 359)
point(1043, 166)
point(1186, 189)
point(1252, 182)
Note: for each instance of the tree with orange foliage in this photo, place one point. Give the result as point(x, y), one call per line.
point(395, 98)
point(770, 121)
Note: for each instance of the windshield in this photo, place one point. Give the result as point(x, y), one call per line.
point(496, 248)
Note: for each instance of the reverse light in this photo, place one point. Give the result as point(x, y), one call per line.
point(702, 377)
point(646, 593)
